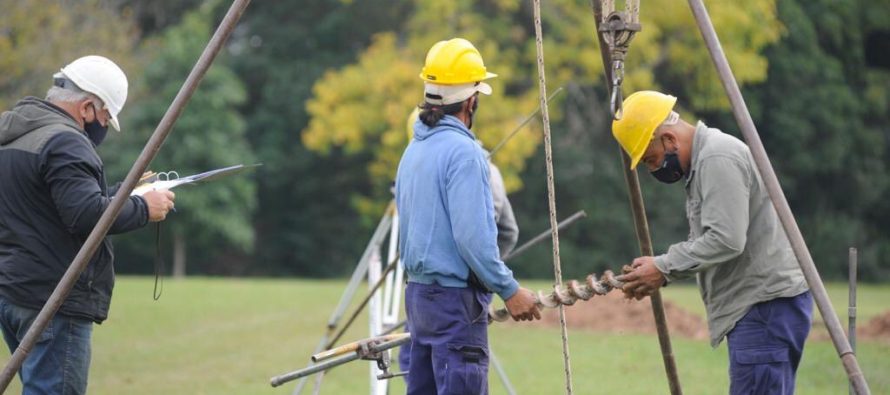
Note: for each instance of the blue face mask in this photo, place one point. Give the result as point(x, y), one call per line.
point(670, 170)
point(95, 131)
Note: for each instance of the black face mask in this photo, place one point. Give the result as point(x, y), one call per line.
point(95, 131)
point(473, 112)
point(670, 170)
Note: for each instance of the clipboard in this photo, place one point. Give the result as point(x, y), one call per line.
point(171, 179)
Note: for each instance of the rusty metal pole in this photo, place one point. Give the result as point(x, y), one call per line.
point(543, 235)
point(372, 348)
point(332, 325)
point(111, 212)
point(749, 131)
point(851, 310)
point(641, 225)
point(361, 306)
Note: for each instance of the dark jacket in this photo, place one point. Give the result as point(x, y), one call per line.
point(52, 193)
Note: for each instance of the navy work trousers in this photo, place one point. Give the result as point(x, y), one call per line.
point(766, 345)
point(449, 339)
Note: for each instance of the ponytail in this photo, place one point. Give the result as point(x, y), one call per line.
point(431, 114)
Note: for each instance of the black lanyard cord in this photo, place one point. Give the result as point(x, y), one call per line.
point(159, 265)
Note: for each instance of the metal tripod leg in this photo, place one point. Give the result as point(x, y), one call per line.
point(357, 275)
point(500, 371)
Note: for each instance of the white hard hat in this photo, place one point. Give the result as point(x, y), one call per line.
point(100, 76)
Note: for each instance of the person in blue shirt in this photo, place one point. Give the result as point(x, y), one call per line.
point(447, 232)
point(504, 219)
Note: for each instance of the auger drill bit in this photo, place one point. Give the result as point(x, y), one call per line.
point(568, 294)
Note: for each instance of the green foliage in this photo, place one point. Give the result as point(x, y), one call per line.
point(744, 28)
point(210, 133)
point(823, 118)
point(361, 108)
point(39, 37)
point(304, 224)
point(319, 91)
point(364, 114)
point(151, 17)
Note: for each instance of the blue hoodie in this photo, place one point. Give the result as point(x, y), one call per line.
point(446, 212)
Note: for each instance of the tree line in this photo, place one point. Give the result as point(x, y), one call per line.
point(318, 91)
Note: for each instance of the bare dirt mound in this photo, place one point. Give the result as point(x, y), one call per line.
point(613, 313)
point(877, 328)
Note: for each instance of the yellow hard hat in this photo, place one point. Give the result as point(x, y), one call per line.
point(453, 62)
point(643, 112)
point(409, 124)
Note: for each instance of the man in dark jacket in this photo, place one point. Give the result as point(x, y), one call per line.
point(53, 193)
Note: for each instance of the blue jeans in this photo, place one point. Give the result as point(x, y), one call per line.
point(766, 345)
point(449, 340)
point(60, 360)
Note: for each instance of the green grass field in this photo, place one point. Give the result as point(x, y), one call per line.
point(229, 336)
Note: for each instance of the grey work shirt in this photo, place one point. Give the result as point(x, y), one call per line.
point(508, 230)
point(737, 247)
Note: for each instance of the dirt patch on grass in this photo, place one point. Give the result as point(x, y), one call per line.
point(876, 328)
point(614, 314)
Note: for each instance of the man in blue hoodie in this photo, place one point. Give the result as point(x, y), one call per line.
point(448, 236)
point(504, 219)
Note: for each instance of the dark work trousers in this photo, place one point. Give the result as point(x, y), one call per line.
point(766, 345)
point(449, 339)
point(405, 352)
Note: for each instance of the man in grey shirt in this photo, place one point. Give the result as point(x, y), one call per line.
point(750, 281)
point(508, 230)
